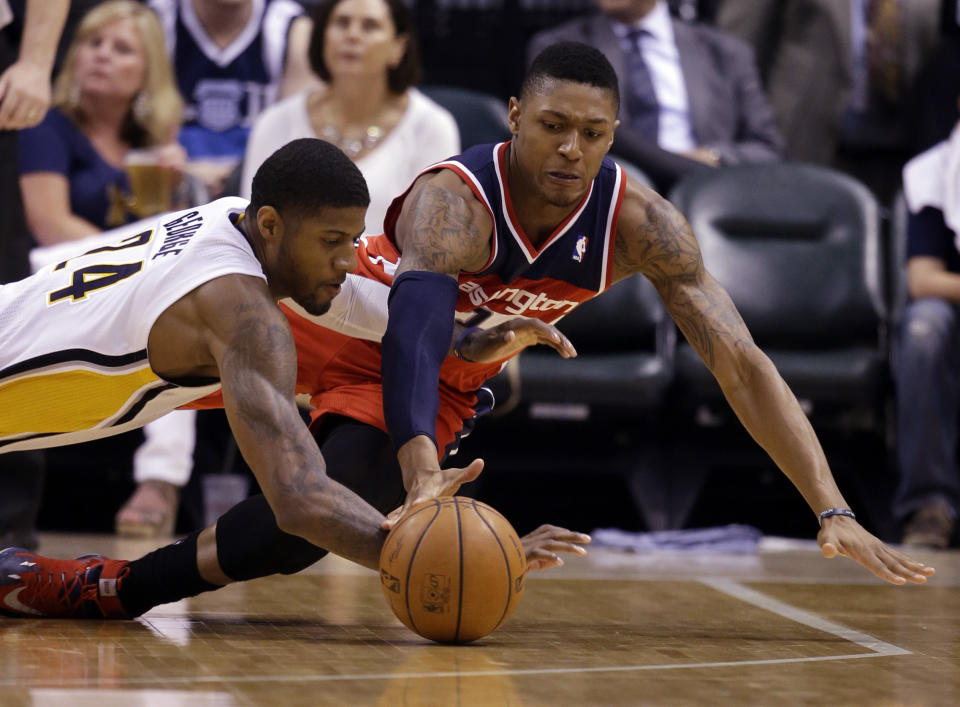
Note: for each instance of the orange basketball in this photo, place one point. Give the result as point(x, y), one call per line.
point(452, 569)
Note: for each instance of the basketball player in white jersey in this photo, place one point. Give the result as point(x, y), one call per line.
point(107, 341)
point(112, 338)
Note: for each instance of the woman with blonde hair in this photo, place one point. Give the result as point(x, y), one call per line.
point(116, 93)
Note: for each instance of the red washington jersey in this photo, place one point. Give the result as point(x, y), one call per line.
point(573, 265)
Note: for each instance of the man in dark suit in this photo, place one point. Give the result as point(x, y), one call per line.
point(838, 74)
point(692, 94)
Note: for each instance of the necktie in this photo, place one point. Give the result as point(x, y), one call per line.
point(642, 106)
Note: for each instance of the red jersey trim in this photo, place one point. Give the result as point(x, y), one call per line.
point(613, 218)
point(529, 250)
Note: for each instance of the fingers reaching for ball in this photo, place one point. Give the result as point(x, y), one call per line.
point(543, 545)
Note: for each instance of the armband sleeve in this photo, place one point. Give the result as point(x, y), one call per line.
point(421, 308)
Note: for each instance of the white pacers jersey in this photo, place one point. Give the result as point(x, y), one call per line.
point(73, 336)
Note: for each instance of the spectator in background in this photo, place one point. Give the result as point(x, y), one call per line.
point(24, 100)
point(689, 90)
point(232, 59)
point(114, 93)
point(366, 52)
point(928, 369)
point(836, 72)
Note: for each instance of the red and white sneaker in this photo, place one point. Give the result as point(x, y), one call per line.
point(32, 586)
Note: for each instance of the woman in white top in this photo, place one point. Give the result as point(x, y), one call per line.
point(367, 55)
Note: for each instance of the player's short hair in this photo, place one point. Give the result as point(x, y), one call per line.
point(305, 176)
point(571, 61)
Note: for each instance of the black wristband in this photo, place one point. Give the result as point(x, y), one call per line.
point(836, 512)
point(459, 342)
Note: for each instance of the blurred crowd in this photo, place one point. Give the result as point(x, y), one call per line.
point(163, 104)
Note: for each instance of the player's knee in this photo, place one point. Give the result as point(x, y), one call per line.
point(298, 554)
point(250, 543)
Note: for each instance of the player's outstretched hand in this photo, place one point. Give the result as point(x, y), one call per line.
point(841, 535)
point(542, 545)
point(423, 487)
point(513, 335)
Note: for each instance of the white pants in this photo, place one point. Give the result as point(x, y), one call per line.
point(167, 451)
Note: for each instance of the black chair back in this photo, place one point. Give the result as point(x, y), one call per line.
point(481, 118)
point(798, 249)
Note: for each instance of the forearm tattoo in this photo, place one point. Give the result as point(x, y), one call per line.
point(260, 370)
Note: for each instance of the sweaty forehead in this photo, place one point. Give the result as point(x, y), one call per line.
point(571, 99)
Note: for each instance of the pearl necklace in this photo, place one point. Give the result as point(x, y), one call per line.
point(353, 146)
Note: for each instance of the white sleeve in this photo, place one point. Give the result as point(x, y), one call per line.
point(441, 138)
point(262, 142)
point(360, 310)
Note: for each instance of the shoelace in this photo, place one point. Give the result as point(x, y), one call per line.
point(54, 592)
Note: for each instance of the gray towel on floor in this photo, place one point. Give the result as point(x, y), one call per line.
point(735, 538)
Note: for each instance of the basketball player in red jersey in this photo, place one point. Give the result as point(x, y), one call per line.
point(501, 232)
point(531, 228)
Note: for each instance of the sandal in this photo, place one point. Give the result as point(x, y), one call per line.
point(150, 512)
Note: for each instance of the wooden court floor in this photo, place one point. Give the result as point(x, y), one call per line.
point(781, 627)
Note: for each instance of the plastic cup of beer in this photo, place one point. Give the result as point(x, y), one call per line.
point(151, 185)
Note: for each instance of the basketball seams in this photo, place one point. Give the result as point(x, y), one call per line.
point(456, 633)
point(413, 554)
point(433, 547)
point(435, 502)
point(506, 562)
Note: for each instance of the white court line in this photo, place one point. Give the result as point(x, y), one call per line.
point(444, 674)
point(788, 611)
point(878, 648)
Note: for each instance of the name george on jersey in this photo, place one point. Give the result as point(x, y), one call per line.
point(178, 233)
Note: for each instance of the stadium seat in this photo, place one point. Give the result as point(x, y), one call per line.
point(897, 265)
point(798, 248)
point(480, 117)
point(625, 344)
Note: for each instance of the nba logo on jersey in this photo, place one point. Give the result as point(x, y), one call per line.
point(580, 249)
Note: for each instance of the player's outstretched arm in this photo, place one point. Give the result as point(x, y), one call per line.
point(251, 343)
point(542, 545)
point(442, 229)
point(655, 239)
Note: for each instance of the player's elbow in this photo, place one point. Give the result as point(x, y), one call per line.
point(299, 512)
point(291, 518)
